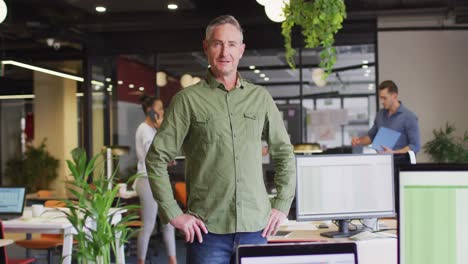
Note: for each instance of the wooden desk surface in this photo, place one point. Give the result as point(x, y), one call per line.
point(309, 235)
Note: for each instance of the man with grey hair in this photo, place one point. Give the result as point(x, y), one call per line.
point(219, 124)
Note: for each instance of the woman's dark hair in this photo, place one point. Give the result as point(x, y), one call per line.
point(147, 102)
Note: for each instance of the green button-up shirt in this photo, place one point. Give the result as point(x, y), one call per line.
point(220, 133)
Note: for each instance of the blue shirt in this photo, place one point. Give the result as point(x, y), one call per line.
point(403, 121)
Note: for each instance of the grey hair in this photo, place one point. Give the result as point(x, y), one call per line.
point(221, 20)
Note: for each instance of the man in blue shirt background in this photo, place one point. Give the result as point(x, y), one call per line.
point(395, 116)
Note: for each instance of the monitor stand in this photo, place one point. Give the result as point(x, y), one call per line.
point(343, 230)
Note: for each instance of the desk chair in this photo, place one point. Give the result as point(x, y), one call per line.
point(4, 256)
point(180, 193)
point(48, 242)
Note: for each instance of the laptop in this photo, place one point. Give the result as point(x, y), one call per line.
point(12, 202)
point(300, 253)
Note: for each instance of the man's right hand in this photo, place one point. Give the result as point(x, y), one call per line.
point(356, 141)
point(191, 226)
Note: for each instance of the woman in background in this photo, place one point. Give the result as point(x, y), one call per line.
point(154, 112)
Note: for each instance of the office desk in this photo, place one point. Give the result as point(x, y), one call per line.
point(54, 221)
point(5, 242)
point(378, 250)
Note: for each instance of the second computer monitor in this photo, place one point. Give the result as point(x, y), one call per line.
point(344, 187)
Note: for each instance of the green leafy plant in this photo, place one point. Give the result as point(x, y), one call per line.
point(94, 205)
point(35, 170)
point(446, 147)
point(320, 20)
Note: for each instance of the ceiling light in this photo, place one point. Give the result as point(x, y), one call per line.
point(263, 2)
point(266, 79)
point(365, 62)
point(262, 75)
point(97, 87)
point(172, 6)
point(17, 96)
point(195, 80)
point(274, 10)
point(365, 66)
point(119, 82)
point(131, 86)
point(161, 79)
point(371, 86)
point(3, 11)
point(43, 70)
point(366, 75)
point(109, 89)
point(110, 86)
point(101, 9)
point(186, 80)
point(257, 71)
point(318, 76)
point(252, 67)
point(368, 71)
point(97, 83)
point(141, 88)
point(108, 79)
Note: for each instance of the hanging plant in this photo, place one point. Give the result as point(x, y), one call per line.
point(320, 20)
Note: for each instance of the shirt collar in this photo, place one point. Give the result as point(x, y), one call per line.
point(400, 109)
point(216, 84)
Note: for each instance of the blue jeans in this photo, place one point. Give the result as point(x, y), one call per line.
point(220, 249)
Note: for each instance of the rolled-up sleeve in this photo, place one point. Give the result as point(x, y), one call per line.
point(412, 130)
point(373, 131)
point(164, 148)
point(282, 154)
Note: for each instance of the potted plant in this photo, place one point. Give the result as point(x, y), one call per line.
point(446, 147)
point(320, 20)
point(95, 202)
point(35, 170)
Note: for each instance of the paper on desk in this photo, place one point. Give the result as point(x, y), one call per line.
point(293, 225)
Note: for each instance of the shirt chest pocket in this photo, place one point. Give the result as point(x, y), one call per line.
point(205, 129)
point(251, 125)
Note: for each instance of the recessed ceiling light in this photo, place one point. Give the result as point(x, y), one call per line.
point(131, 86)
point(266, 79)
point(101, 9)
point(172, 6)
point(257, 71)
point(119, 82)
point(365, 66)
point(109, 89)
point(262, 75)
point(365, 62)
point(366, 75)
point(252, 67)
point(141, 88)
point(368, 71)
point(108, 79)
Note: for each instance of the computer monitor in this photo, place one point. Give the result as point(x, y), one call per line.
point(433, 214)
point(11, 202)
point(344, 187)
point(343, 253)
